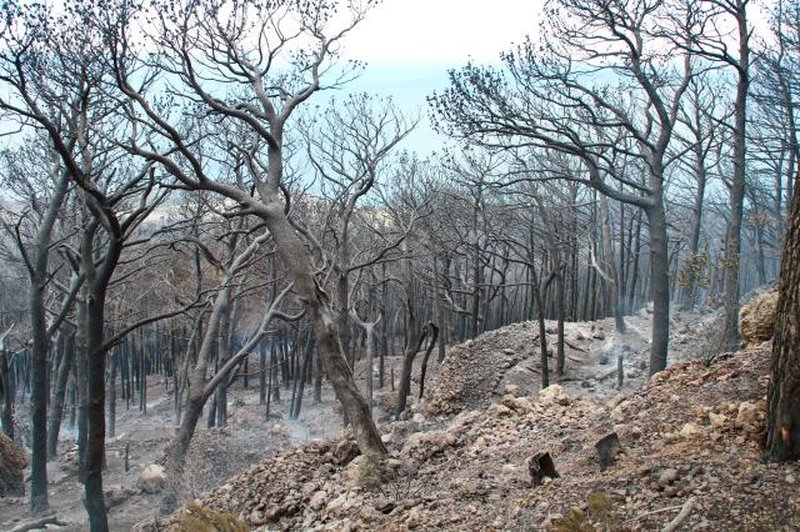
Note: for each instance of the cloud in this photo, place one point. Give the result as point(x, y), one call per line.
point(411, 32)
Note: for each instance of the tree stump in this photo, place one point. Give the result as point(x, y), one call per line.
point(540, 466)
point(607, 449)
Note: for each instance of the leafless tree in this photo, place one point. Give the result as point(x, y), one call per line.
point(203, 43)
point(550, 95)
point(349, 146)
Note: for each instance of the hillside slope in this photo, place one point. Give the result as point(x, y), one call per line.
point(693, 433)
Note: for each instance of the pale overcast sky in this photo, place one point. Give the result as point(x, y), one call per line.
point(410, 44)
point(414, 32)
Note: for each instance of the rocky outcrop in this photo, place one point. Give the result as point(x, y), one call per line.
point(152, 479)
point(12, 466)
point(757, 317)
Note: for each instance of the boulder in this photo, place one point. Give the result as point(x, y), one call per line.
point(757, 317)
point(554, 393)
point(668, 476)
point(318, 500)
point(152, 479)
point(749, 417)
point(12, 466)
point(691, 430)
point(345, 451)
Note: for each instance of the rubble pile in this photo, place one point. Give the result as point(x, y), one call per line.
point(691, 440)
point(471, 373)
point(12, 468)
point(757, 317)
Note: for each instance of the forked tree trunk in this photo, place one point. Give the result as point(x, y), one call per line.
point(783, 409)
point(412, 349)
point(199, 390)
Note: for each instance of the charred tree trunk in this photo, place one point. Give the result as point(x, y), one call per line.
point(39, 347)
point(609, 265)
point(95, 415)
point(384, 341)
point(537, 298)
point(112, 395)
point(737, 185)
point(415, 335)
point(439, 308)
point(408, 364)
point(424, 368)
point(57, 405)
point(659, 288)
point(369, 331)
point(82, 394)
point(783, 409)
point(6, 383)
point(300, 382)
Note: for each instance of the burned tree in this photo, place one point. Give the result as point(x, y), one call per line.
point(201, 42)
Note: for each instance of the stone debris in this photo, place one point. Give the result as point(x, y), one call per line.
point(152, 479)
point(12, 468)
point(689, 434)
point(757, 317)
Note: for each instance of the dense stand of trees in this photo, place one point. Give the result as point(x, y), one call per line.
point(186, 215)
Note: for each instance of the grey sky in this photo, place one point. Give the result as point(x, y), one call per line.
point(410, 44)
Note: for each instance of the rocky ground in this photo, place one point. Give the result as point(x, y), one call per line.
point(688, 442)
point(214, 456)
point(475, 373)
point(688, 454)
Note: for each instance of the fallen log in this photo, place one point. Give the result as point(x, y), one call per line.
point(39, 523)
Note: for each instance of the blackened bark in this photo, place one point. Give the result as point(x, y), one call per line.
point(783, 409)
point(424, 368)
point(96, 423)
point(560, 317)
point(40, 339)
point(659, 287)
point(111, 393)
point(537, 298)
point(737, 188)
point(57, 404)
point(81, 388)
point(300, 381)
point(439, 308)
point(8, 395)
point(412, 349)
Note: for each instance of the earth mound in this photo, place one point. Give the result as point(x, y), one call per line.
point(689, 451)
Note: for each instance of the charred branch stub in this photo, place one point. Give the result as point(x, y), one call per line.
point(541, 466)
